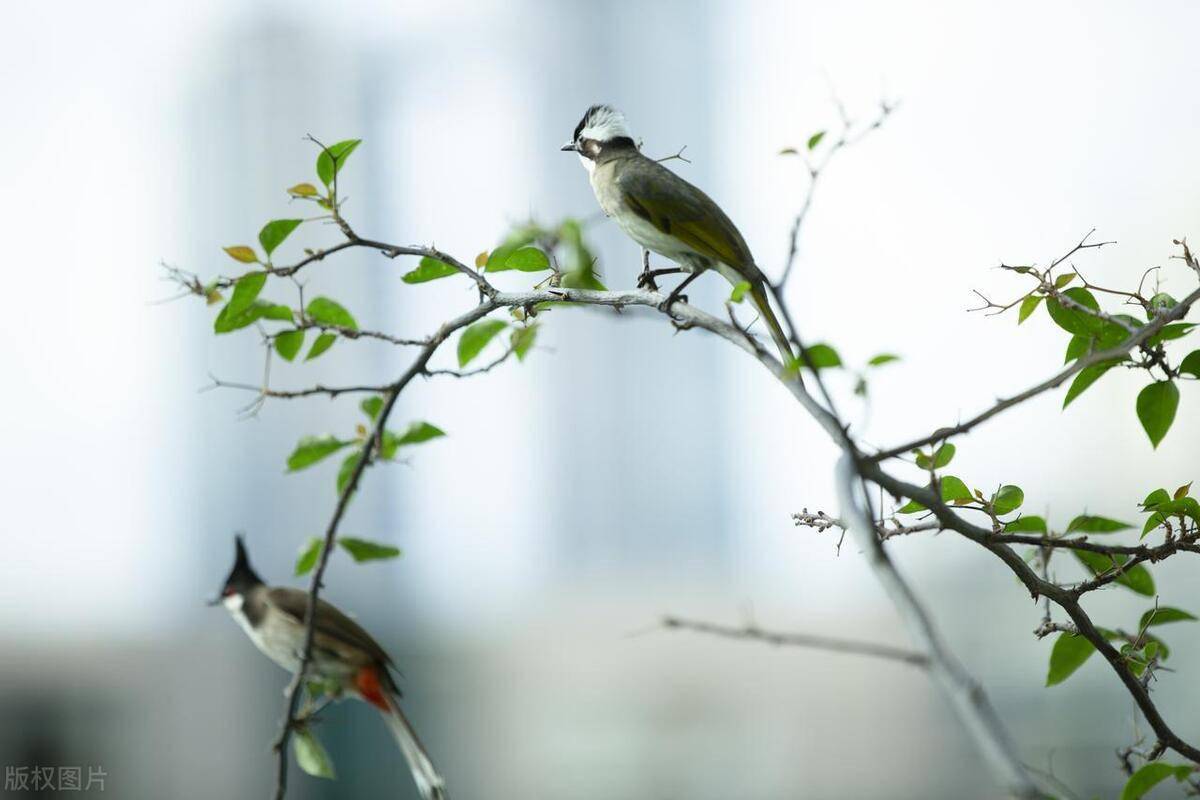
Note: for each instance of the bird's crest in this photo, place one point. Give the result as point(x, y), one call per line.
point(602, 123)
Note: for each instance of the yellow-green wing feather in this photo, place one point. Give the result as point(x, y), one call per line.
point(679, 209)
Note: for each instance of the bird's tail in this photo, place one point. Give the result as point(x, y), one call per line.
point(759, 296)
point(379, 692)
point(429, 782)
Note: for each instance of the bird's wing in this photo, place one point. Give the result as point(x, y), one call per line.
point(679, 209)
point(329, 622)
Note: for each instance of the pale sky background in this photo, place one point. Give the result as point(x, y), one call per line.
point(623, 471)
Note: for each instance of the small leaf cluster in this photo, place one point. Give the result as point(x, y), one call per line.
point(359, 549)
point(246, 306)
point(533, 248)
point(1077, 311)
point(311, 450)
point(1003, 501)
point(822, 355)
point(474, 338)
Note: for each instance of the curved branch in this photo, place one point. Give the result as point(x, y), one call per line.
point(1038, 587)
point(364, 456)
point(1145, 332)
point(965, 693)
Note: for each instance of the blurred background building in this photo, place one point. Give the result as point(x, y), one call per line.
point(623, 471)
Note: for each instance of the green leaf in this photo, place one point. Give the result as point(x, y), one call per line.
point(1160, 302)
point(1156, 497)
point(417, 433)
point(582, 279)
point(739, 291)
point(1069, 653)
point(1156, 407)
point(362, 550)
point(345, 471)
point(312, 449)
point(528, 259)
point(476, 337)
point(911, 507)
point(1163, 615)
point(1156, 519)
point(941, 457)
point(246, 291)
point(815, 139)
point(522, 340)
point(330, 312)
point(429, 269)
point(275, 231)
point(954, 490)
point(1086, 377)
point(259, 309)
point(944, 455)
point(1150, 775)
point(1027, 524)
point(1175, 330)
point(497, 260)
point(311, 756)
point(242, 253)
point(332, 159)
point(1087, 523)
point(1191, 364)
point(308, 556)
point(881, 359)
point(579, 265)
point(1007, 499)
point(1078, 346)
point(1184, 507)
point(288, 343)
point(1073, 320)
point(323, 343)
point(1137, 578)
point(275, 311)
point(1028, 306)
point(821, 355)
point(372, 406)
point(420, 432)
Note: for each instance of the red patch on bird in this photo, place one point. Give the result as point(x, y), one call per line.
point(368, 685)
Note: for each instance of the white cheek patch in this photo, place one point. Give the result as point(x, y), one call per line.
point(588, 164)
point(233, 602)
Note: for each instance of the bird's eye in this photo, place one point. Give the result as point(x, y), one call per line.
point(229, 592)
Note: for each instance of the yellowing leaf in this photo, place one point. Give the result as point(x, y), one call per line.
point(242, 253)
point(303, 190)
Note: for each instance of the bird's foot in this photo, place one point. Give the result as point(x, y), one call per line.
point(672, 299)
point(646, 279)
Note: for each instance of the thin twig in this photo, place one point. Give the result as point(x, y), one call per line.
point(828, 643)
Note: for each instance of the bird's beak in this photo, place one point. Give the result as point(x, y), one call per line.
point(570, 147)
point(216, 601)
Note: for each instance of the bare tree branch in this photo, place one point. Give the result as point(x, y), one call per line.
point(846, 137)
point(829, 643)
